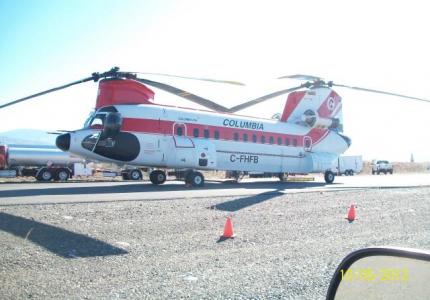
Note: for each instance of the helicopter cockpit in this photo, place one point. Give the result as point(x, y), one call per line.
point(95, 121)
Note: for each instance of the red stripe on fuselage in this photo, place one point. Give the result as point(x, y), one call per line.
point(225, 133)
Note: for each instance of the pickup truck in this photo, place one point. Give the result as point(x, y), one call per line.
point(381, 166)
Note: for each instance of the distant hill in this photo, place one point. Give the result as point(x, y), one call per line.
point(27, 137)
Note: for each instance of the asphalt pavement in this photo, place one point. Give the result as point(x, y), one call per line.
point(88, 192)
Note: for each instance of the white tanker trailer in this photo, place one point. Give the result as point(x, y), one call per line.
point(43, 162)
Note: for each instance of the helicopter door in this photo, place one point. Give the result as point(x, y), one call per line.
point(184, 147)
point(180, 136)
point(307, 143)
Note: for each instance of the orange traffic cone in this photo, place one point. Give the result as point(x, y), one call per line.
point(228, 228)
point(351, 213)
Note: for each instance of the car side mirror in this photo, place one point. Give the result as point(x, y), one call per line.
point(382, 273)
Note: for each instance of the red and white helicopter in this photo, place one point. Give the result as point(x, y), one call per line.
point(127, 127)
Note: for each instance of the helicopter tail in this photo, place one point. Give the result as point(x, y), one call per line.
point(317, 108)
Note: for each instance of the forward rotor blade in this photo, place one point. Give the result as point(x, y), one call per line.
point(192, 78)
point(47, 91)
point(379, 92)
point(264, 98)
point(95, 77)
point(184, 94)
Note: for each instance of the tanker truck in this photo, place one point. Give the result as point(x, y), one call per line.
point(45, 163)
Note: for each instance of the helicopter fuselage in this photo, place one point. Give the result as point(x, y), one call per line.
point(170, 137)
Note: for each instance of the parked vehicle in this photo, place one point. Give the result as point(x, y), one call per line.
point(132, 173)
point(43, 162)
point(47, 163)
point(381, 166)
point(348, 165)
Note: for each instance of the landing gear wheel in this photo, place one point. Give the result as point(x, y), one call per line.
point(195, 179)
point(157, 177)
point(238, 176)
point(62, 175)
point(283, 177)
point(329, 177)
point(44, 175)
point(136, 175)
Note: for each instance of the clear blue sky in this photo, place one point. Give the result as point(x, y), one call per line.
point(370, 44)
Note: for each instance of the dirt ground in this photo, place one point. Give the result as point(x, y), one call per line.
point(287, 246)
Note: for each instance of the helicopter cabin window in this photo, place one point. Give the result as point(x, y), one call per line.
point(287, 141)
point(307, 143)
point(263, 139)
point(279, 141)
point(206, 133)
point(245, 137)
point(271, 140)
point(294, 142)
point(179, 131)
point(236, 136)
point(195, 132)
point(254, 138)
point(216, 134)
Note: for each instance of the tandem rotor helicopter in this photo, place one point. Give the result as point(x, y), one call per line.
point(127, 127)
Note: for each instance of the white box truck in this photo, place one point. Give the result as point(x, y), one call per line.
point(348, 165)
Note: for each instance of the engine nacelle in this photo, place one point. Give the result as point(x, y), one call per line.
point(311, 119)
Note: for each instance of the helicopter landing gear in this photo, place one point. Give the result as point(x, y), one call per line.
point(283, 177)
point(157, 177)
point(237, 176)
point(194, 178)
point(329, 177)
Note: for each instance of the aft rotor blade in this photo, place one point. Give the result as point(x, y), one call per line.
point(264, 98)
point(302, 77)
point(193, 78)
point(47, 92)
point(380, 92)
point(184, 94)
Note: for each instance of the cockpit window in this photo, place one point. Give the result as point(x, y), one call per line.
point(95, 121)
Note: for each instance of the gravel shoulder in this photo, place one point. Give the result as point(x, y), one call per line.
point(286, 245)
